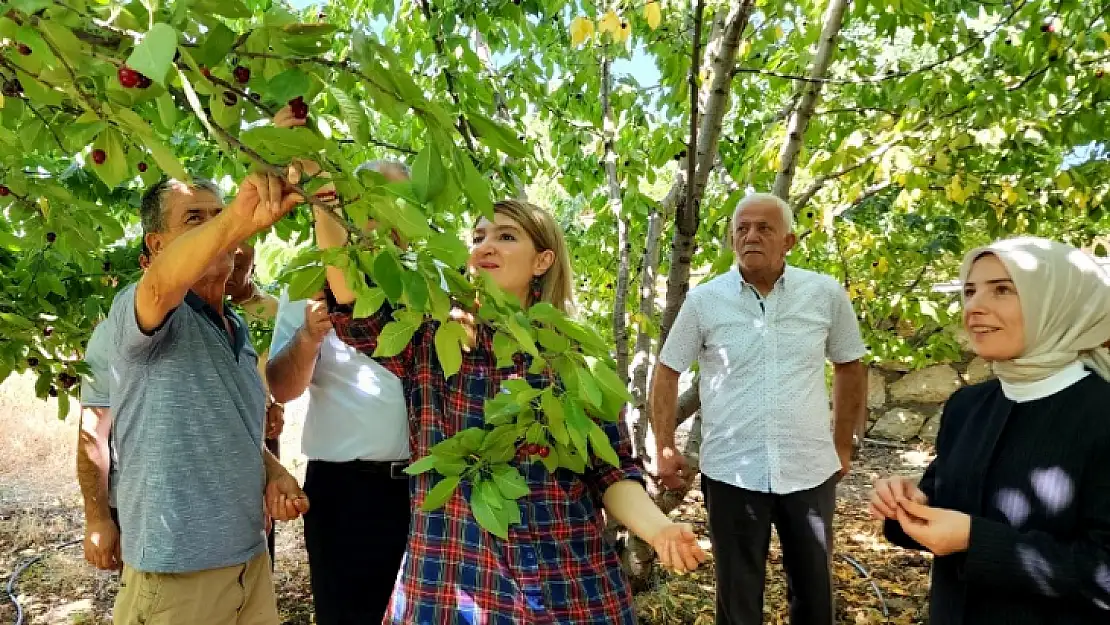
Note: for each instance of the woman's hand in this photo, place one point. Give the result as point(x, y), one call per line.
point(939, 530)
point(889, 492)
point(678, 548)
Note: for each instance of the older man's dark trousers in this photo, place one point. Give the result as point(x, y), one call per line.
point(740, 526)
point(355, 531)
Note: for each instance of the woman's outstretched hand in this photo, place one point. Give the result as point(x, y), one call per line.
point(678, 548)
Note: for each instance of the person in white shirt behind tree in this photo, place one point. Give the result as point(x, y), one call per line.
point(761, 335)
point(356, 438)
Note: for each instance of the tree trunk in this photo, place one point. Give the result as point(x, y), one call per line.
point(616, 202)
point(799, 118)
point(641, 358)
point(720, 56)
point(712, 100)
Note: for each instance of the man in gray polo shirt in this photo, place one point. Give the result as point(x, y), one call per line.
point(188, 417)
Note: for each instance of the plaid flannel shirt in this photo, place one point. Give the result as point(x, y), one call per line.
point(556, 566)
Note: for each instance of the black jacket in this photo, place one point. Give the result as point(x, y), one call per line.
point(1035, 478)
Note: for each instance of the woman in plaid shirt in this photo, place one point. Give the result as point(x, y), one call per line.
point(556, 566)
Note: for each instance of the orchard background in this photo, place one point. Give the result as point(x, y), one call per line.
point(903, 132)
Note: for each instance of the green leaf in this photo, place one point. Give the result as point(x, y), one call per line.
point(395, 336)
point(503, 348)
point(578, 426)
point(577, 332)
point(497, 136)
point(488, 491)
point(225, 8)
point(387, 274)
point(449, 449)
point(500, 409)
point(440, 493)
point(608, 380)
point(114, 169)
point(471, 439)
point(368, 302)
point(63, 406)
point(167, 111)
point(553, 341)
point(353, 114)
point(307, 282)
point(64, 39)
point(217, 43)
point(553, 414)
point(474, 186)
point(153, 57)
point(165, 159)
point(448, 248)
point(448, 340)
point(602, 447)
point(486, 516)
point(285, 142)
point(500, 444)
point(423, 465)
point(404, 216)
point(428, 174)
point(288, 85)
point(522, 336)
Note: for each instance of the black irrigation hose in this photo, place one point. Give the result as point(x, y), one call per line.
point(23, 567)
point(867, 576)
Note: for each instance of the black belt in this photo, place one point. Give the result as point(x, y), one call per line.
point(394, 469)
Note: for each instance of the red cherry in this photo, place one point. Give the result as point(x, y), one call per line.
point(204, 71)
point(144, 82)
point(545, 452)
point(24, 49)
point(50, 238)
point(128, 77)
point(230, 98)
point(53, 392)
point(142, 168)
point(4, 191)
point(99, 156)
point(1100, 73)
point(32, 362)
point(299, 107)
point(242, 74)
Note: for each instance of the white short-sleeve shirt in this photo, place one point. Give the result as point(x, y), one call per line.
point(356, 408)
point(765, 404)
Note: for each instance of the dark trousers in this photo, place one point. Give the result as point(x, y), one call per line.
point(740, 526)
point(355, 531)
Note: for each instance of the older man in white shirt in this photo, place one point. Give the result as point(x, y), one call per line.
point(761, 335)
point(356, 437)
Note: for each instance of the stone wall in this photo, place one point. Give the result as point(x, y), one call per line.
point(905, 407)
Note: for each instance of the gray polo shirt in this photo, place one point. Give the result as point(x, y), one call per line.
point(188, 422)
point(96, 387)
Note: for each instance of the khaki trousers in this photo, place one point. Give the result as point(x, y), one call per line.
point(233, 595)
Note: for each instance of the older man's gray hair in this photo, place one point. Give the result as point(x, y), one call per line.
point(152, 209)
point(380, 165)
point(765, 198)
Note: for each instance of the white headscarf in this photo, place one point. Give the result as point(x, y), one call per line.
point(1065, 300)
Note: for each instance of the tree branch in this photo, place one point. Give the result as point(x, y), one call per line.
point(892, 75)
point(437, 41)
point(799, 118)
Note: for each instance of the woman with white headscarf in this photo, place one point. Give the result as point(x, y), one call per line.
point(1016, 504)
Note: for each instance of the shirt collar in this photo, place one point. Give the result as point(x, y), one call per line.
point(780, 283)
point(239, 333)
point(1022, 392)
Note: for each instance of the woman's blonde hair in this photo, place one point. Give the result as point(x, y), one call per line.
point(556, 284)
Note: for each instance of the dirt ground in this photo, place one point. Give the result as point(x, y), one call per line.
point(40, 511)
